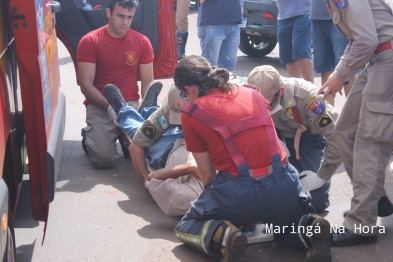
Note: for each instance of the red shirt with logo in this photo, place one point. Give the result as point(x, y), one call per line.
point(229, 107)
point(117, 59)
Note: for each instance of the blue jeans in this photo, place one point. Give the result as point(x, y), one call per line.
point(130, 120)
point(294, 38)
point(219, 44)
point(328, 43)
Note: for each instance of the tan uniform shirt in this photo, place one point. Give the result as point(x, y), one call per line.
point(366, 23)
point(152, 129)
point(315, 113)
point(174, 195)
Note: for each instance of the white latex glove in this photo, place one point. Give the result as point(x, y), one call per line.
point(311, 180)
point(112, 114)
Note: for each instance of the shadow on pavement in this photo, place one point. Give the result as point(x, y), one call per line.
point(25, 252)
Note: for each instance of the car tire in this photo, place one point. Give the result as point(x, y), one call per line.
point(254, 46)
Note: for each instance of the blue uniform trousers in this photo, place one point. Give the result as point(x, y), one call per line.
point(311, 153)
point(277, 199)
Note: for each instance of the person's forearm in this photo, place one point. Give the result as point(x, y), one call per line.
point(208, 178)
point(138, 158)
point(144, 87)
point(175, 172)
point(94, 96)
point(205, 167)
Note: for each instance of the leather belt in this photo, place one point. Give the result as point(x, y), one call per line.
point(383, 46)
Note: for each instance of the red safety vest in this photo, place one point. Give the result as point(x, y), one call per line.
point(228, 131)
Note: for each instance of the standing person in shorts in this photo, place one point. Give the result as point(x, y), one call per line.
point(328, 44)
point(294, 38)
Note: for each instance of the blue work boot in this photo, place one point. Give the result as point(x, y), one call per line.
point(114, 97)
point(151, 96)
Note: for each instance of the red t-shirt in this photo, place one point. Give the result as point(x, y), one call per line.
point(229, 107)
point(117, 59)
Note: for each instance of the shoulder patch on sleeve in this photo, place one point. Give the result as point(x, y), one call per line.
point(311, 100)
point(164, 124)
point(341, 3)
point(317, 107)
point(324, 120)
point(149, 131)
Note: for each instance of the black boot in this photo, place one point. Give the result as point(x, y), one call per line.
point(349, 238)
point(84, 146)
point(317, 238)
point(181, 44)
point(124, 143)
point(385, 208)
point(230, 240)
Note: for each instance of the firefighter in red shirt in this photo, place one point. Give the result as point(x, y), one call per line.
point(228, 128)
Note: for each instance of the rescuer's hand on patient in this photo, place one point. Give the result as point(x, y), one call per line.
point(112, 114)
point(311, 180)
point(333, 85)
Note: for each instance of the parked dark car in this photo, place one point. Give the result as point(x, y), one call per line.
point(258, 34)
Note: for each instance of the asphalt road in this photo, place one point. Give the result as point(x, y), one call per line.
point(107, 215)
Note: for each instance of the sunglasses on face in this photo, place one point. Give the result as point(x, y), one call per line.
point(182, 95)
point(273, 103)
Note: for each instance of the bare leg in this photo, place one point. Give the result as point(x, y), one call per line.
point(306, 66)
point(294, 70)
point(324, 77)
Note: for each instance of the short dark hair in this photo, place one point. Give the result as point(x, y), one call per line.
point(196, 70)
point(123, 3)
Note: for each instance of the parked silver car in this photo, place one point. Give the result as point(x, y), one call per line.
point(258, 34)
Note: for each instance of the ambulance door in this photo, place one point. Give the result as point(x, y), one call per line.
point(43, 102)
